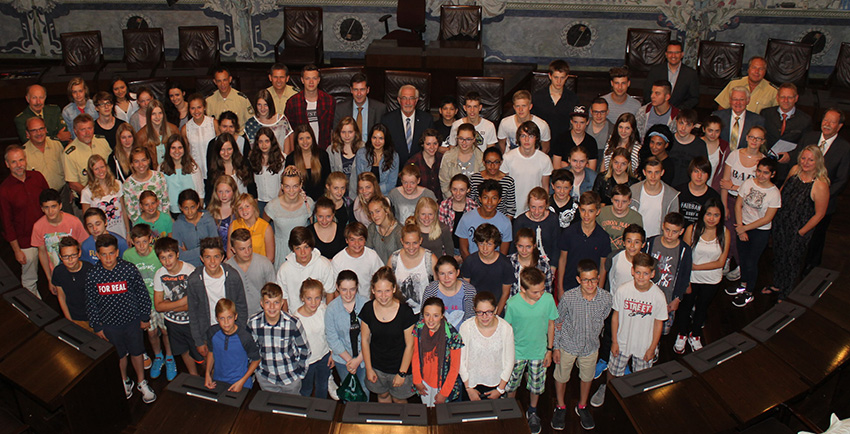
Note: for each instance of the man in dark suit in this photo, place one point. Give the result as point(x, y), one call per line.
point(836, 158)
point(683, 78)
point(406, 124)
point(737, 120)
point(785, 122)
point(366, 111)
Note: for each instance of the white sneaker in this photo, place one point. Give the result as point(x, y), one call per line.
point(128, 387)
point(332, 387)
point(679, 346)
point(147, 393)
point(598, 398)
point(734, 274)
point(695, 343)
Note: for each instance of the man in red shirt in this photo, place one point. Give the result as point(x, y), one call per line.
point(312, 106)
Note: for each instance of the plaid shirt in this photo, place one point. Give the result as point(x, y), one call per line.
point(447, 214)
point(580, 321)
point(542, 265)
point(296, 112)
point(283, 348)
point(429, 177)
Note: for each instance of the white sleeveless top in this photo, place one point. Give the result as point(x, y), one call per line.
point(412, 281)
point(705, 252)
point(199, 137)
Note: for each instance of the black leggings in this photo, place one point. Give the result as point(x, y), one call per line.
point(700, 296)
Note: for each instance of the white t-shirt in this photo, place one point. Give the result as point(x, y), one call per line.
point(508, 127)
point(268, 185)
point(215, 292)
point(111, 206)
point(650, 210)
point(313, 117)
point(621, 272)
point(314, 332)
point(739, 172)
point(527, 174)
point(364, 267)
point(173, 288)
point(637, 314)
point(486, 133)
point(757, 200)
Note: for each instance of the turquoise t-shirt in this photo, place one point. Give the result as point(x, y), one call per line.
point(147, 266)
point(161, 227)
point(530, 323)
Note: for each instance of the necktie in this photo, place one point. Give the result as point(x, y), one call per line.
point(408, 133)
point(784, 118)
point(822, 146)
point(736, 130)
point(360, 119)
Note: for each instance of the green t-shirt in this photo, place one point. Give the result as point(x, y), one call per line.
point(531, 324)
point(615, 225)
point(147, 266)
point(162, 226)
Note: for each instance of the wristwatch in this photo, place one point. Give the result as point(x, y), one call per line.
point(550, 349)
point(501, 391)
point(402, 374)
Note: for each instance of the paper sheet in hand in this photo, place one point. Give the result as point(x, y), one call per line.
point(783, 146)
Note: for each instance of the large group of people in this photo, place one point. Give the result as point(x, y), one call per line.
point(445, 258)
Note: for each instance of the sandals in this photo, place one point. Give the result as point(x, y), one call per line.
point(769, 290)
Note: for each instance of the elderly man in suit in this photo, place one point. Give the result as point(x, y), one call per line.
point(836, 158)
point(406, 124)
point(683, 78)
point(786, 122)
point(737, 120)
point(365, 111)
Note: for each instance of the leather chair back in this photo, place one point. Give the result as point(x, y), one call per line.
point(540, 81)
point(143, 48)
point(460, 23)
point(719, 62)
point(337, 81)
point(157, 86)
point(841, 74)
point(645, 48)
point(491, 89)
point(82, 51)
point(788, 61)
point(394, 80)
point(198, 47)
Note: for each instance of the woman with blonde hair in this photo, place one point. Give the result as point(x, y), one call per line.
point(156, 130)
point(345, 141)
point(221, 206)
point(619, 172)
point(248, 217)
point(105, 192)
point(436, 236)
point(384, 232)
point(413, 266)
point(336, 189)
point(367, 188)
point(80, 103)
point(119, 160)
point(291, 209)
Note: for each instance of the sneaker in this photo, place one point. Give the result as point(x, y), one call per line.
point(735, 290)
point(601, 366)
point(585, 417)
point(128, 387)
point(332, 388)
point(147, 393)
point(533, 422)
point(679, 346)
point(734, 274)
point(156, 367)
point(148, 361)
point(726, 266)
point(170, 368)
point(743, 299)
point(598, 398)
point(695, 342)
point(559, 419)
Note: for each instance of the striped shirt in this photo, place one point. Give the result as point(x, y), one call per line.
point(508, 204)
point(580, 321)
point(283, 348)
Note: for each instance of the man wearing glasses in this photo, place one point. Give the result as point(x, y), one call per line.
point(406, 124)
point(737, 119)
point(683, 78)
point(44, 155)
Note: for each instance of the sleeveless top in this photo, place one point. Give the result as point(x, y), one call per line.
point(258, 233)
point(199, 137)
point(224, 228)
point(704, 252)
point(797, 206)
point(412, 281)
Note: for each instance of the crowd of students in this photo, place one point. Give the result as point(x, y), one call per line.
point(479, 263)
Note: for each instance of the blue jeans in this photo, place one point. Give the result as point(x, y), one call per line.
point(317, 377)
point(749, 253)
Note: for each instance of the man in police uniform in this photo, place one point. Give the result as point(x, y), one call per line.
point(50, 113)
point(45, 156)
point(227, 98)
point(281, 92)
point(78, 152)
point(762, 92)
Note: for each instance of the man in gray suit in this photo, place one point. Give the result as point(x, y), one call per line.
point(737, 120)
point(365, 111)
point(785, 122)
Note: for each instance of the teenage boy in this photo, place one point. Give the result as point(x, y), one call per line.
point(356, 257)
point(282, 342)
point(522, 113)
point(95, 221)
point(143, 257)
point(563, 145)
point(69, 278)
point(234, 364)
point(619, 100)
point(485, 131)
point(170, 285)
point(255, 270)
point(600, 127)
point(527, 164)
point(555, 102)
point(448, 114)
point(581, 314)
point(489, 194)
point(694, 194)
point(685, 146)
point(119, 307)
point(489, 270)
point(618, 216)
point(305, 261)
point(209, 284)
point(658, 111)
point(618, 266)
point(652, 198)
point(191, 226)
point(543, 224)
point(639, 314)
point(585, 241)
point(673, 273)
point(50, 228)
point(562, 203)
point(532, 314)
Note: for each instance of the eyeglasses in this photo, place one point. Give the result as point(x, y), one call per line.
point(599, 112)
point(67, 256)
point(485, 313)
point(466, 140)
point(593, 280)
point(755, 139)
point(104, 104)
point(407, 98)
point(492, 162)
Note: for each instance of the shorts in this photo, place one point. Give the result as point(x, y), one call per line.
point(127, 339)
point(535, 378)
point(617, 364)
point(180, 337)
point(586, 367)
point(385, 384)
point(157, 320)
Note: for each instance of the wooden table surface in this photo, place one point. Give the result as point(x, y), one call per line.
point(17, 329)
point(834, 305)
point(182, 414)
point(258, 422)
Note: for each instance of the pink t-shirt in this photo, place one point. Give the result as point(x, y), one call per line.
point(48, 235)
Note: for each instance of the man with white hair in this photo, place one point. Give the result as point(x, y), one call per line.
point(406, 124)
point(737, 119)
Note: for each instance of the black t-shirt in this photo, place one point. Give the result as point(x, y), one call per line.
point(443, 130)
point(455, 239)
point(488, 277)
point(682, 155)
point(74, 287)
point(387, 338)
point(690, 205)
point(329, 250)
point(110, 134)
point(564, 144)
